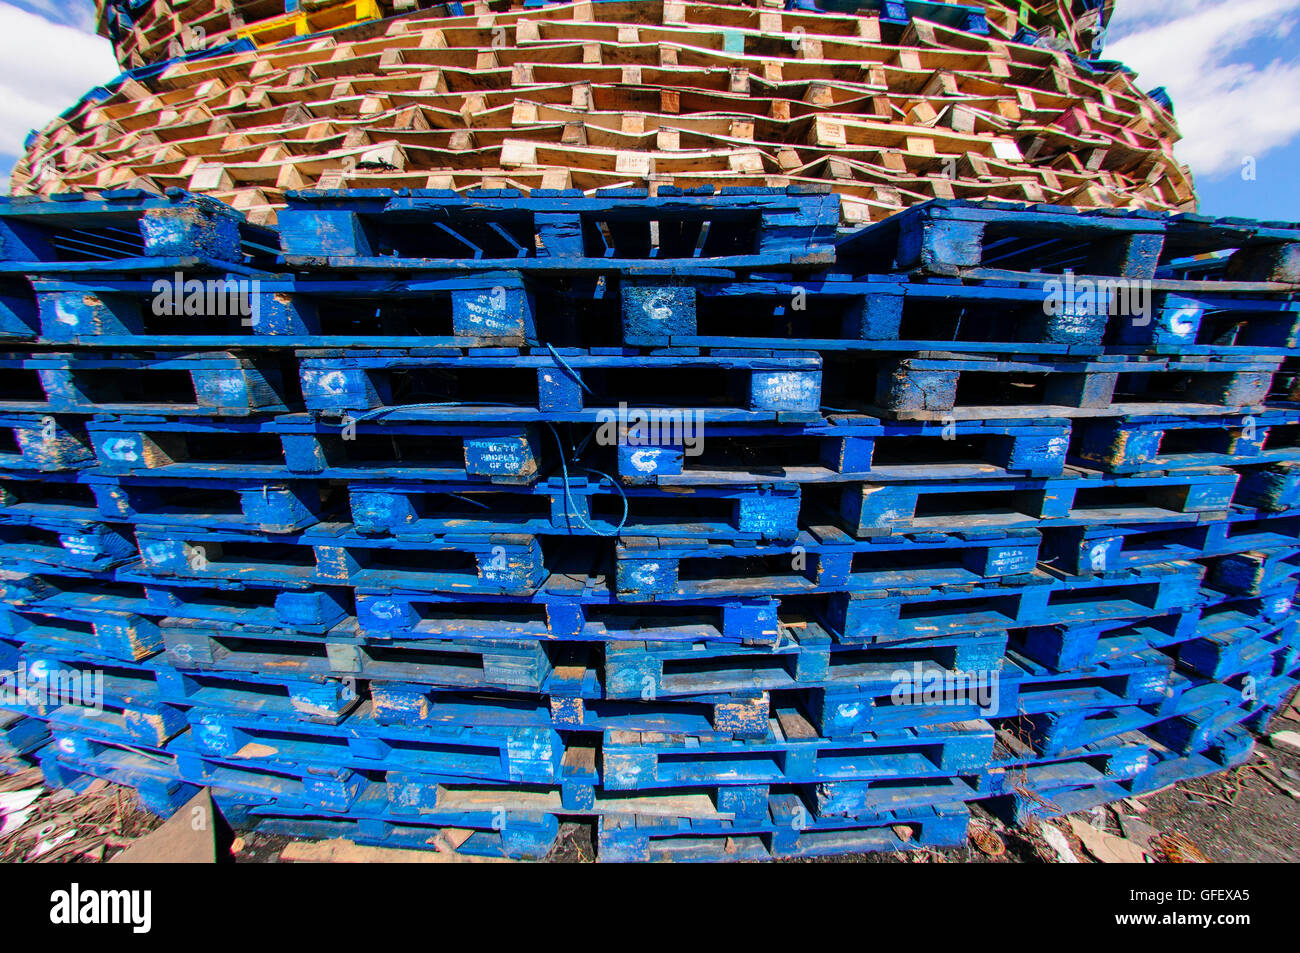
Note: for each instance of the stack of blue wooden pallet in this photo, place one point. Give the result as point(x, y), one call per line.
point(437, 520)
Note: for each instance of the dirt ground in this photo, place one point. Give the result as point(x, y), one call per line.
point(1250, 814)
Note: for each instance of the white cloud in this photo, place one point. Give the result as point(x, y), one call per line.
point(44, 68)
point(78, 13)
point(1227, 108)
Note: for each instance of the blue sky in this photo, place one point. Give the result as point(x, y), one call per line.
point(1231, 66)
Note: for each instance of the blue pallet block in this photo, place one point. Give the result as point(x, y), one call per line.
point(44, 443)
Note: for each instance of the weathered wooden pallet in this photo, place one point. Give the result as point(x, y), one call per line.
point(215, 384)
point(20, 735)
point(483, 308)
point(824, 559)
point(807, 658)
point(914, 613)
point(576, 506)
point(1077, 497)
point(129, 230)
point(944, 387)
point(563, 230)
point(255, 505)
point(1039, 796)
point(991, 239)
point(1136, 443)
point(41, 543)
point(559, 385)
point(785, 835)
point(500, 664)
point(1084, 550)
point(332, 555)
point(359, 743)
point(640, 760)
point(847, 448)
point(300, 445)
point(44, 443)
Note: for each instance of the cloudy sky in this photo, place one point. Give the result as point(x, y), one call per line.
point(1232, 67)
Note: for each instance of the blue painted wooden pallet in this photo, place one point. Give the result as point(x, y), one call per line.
point(986, 239)
point(67, 545)
point(880, 618)
point(553, 384)
point(151, 775)
point(806, 657)
point(789, 832)
point(943, 387)
point(823, 559)
point(1260, 251)
point(1253, 573)
point(43, 443)
point(1076, 498)
point(834, 312)
point(873, 798)
point(299, 446)
point(323, 700)
point(564, 609)
point(359, 743)
point(373, 819)
point(1041, 797)
point(846, 448)
point(501, 664)
point(1275, 487)
point(1098, 549)
point(481, 309)
point(576, 506)
point(1214, 324)
point(1119, 757)
point(154, 684)
point(47, 499)
point(20, 734)
point(1137, 443)
point(116, 635)
point(129, 230)
point(795, 755)
point(564, 230)
point(128, 592)
point(742, 714)
point(1004, 240)
point(1232, 651)
point(330, 554)
point(213, 384)
point(1064, 648)
point(268, 507)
